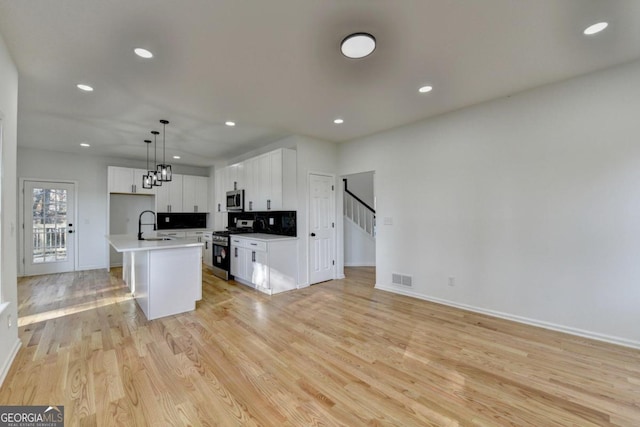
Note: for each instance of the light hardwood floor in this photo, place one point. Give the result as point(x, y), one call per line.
point(337, 353)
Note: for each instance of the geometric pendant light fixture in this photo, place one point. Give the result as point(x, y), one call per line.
point(154, 173)
point(164, 170)
point(147, 179)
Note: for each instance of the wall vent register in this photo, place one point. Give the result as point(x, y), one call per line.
point(401, 279)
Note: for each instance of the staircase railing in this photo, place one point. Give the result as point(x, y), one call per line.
point(359, 212)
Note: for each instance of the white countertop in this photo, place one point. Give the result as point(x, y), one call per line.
point(130, 243)
point(264, 237)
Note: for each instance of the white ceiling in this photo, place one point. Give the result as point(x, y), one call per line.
point(275, 66)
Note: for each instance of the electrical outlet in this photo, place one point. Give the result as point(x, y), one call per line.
point(272, 221)
point(452, 281)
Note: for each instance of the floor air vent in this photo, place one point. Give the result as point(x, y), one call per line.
point(401, 279)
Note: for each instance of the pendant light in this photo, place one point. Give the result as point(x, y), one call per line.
point(154, 174)
point(164, 170)
point(147, 180)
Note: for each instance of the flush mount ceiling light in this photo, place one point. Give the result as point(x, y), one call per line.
point(176, 157)
point(425, 89)
point(595, 28)
point(338, 121)
point(84, 87)
point(143, 53)
point(230, 123)
point(358, 45)
point(84, 144)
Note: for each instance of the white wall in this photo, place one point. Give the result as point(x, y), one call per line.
point(91, 174)
point(532, 204)
point(359, 246)
point(9, 342)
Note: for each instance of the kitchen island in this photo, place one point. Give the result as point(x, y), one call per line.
point(164, 276)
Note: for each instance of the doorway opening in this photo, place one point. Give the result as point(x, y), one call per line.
point(359, 221)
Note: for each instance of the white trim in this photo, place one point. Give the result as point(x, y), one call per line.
point(7, 363)
point(519, 319)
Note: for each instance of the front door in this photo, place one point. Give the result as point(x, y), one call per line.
point(322, 228)
point(49, 219)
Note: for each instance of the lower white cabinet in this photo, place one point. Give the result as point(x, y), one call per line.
point(265, 262)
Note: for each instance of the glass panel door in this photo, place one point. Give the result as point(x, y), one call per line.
point(49, 219)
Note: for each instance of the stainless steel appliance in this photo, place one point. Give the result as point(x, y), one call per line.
point(235, 201)
point(221, 245)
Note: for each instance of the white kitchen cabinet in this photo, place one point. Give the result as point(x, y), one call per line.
point(219, 182)
point(270, 181)
point(265, 262)
point(234, 177)
point(126, 181)
point(198, 235)
point(195, 193)
point(207, 252)
point(169, 195)
point(255, 185)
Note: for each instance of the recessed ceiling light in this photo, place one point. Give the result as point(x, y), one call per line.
point(595, 28)
point(338, 121)
point(230, 123)
point(425, 89)
point(176, 157)
point(143, 53)
point(358, 45)
point(84, 144)
point(84, 87)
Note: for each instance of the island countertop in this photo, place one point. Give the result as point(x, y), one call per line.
point(130, 243)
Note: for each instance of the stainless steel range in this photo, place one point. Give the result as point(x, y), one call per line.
point(221, 242)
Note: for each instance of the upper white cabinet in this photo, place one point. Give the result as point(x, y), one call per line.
point(184, 193)
point(270, 181)
point(126, 180)
point(169, 195)
point(195, 193)
point(220, 184)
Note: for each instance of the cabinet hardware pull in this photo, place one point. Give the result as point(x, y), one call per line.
point(236, 254)
point(218, 207)
point(268, 204)
point(195, 208)
point(253, 256)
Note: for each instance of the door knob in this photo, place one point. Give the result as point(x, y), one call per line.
point(70, 231)
point(313, 234)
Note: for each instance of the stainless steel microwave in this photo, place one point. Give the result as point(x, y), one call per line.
point(235, 201)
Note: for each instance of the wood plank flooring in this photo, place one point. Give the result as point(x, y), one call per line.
point(337, 353)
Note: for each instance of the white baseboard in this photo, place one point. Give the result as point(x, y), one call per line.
point(533, 322)
point(7, 363)
point(360, 264)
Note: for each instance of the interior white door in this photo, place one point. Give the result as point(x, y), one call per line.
point(321, 228)
point(49, 218)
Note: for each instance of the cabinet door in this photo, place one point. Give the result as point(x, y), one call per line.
point(202, 194)
point(175, 193)
point(137, 182)
point(121, 180)
point(239, 262)
point(234, 177)
point(207, 257)
point(219, 178)
point(250, 190)
point(163, 200)
point(258, 269)
point(274, 179)
point(261, 179)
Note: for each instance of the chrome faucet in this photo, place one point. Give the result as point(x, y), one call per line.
point(140, 224)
